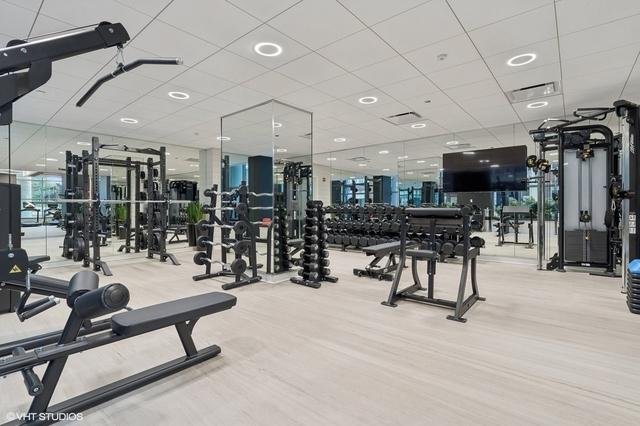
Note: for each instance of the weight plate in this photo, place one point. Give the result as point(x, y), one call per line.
point(238, 266)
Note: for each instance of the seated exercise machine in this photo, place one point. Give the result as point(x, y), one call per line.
point(87, 302)
point(433, 218)
point(511, 218)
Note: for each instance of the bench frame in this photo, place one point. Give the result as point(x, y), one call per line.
point(469, 258)
point(373, 270)
point(55, 348)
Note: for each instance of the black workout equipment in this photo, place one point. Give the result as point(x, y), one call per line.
point(511, 219)
point(390, 251)
point(431, 218)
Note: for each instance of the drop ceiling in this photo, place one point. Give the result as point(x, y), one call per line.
point(334, 52)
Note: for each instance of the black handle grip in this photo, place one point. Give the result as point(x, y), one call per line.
point(31, 379)
point(49, 303)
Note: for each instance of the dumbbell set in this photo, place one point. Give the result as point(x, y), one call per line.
point(281, 257)
point(315, 258)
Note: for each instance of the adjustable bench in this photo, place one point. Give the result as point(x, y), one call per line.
point(379, 252)
point(87, 302)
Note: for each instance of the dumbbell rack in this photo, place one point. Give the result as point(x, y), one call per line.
point(315, 260)
point(281, 258)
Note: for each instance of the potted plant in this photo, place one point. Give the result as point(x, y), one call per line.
point(120, 214)
point(194, 215)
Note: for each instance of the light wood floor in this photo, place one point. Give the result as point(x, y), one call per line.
point(545, 348)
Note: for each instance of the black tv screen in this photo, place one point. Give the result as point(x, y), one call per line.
point(496, 169)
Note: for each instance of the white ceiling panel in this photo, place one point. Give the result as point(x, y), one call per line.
point(232, 67)
point(264, 10)
point(311, 69)
point(612, 79)
point(201, 82)
point(46, 25)
point(577, 15)
point(372, 12)
point(410, 88)
point(621, 57)
point(458, 50)
point(601, 38)
point(148, 7)
point(490, 116)
point(387, 72)
point(216, 21)
point(15, 21)
point(426, 24)
point(218, 106)
point(546, 53)
point(316, 23)
point(553, 109)
point(479, 89)
point(244, 96)
point(291, 49)
point(274, 84)
point(165, 40)
point(306, 98)
point(344, 85)
point(530, 77)
point(460, 75)
point(358, 50)
point(474, 14)
point(521, 30)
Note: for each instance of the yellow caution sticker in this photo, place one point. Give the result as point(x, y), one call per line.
point(15, 270)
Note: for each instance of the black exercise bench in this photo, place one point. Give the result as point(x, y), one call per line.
point(380, 251)
point(88, 302)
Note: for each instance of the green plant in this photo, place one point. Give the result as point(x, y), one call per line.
point(194, 212)
point(120, 212)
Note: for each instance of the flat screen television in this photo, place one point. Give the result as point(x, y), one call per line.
point(496, 169)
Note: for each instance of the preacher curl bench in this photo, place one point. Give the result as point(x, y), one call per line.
point(87, 302)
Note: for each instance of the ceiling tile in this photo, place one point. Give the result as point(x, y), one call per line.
point(218, 106)
point(470, 72)
point(307, 97)
point(546, 53)
point(358, 50)
point(244, 47)
point(311, 69)
point(577, 15)
point(458, 50)
point(474, 14)
point(216, 21)
point(15, 21)
point(316, 23)
point(620, 57)
point(344, 85)
point(620, 33)
point(479, 89)
point(244, 96)
point(530, 77)
point(230, 66)
point(612, 79)
point(376, 11)
point(554, 109)
point(426, 24)
point(387, 72)
point(274, 84)
point(493, 115)
point(410, 88)
point(148, 7)
point(201, 82)
point(264, 10)
point(521, 30)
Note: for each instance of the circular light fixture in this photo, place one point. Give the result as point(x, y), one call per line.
point(403, 157)
point(61, 152)
point(339, 139)
point(384, 151)
point(524, 59)
point(484, 161)
point(194, 165)
point(434, 165)
point(368, 100)
point(469, 153)
point(276, 125)
point(409, 173)
point(196, 176)
point(51, 159)
point(385, 170)
point(331, 159)
point(223, 138)
point(450, 143)
point(84, 143)
point(494, 165)
point(171, 170)
point(418, 126)
point(41, 165)
point(540, 104)
point(267, 49)
point(421, 161)
point(127, 120)
point(179, 95)
point(352, 177)
point(362, 165)
point(281, 149)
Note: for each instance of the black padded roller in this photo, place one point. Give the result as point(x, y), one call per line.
point(102, 301)
point(81, 283)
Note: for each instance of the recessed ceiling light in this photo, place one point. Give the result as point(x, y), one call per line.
point(60, 152)
point(171, 170)
point(223, 138)
point(418, 126)
point(127, 120)
point(179, 95)
point(167, 153)
point(339, 139)
point(433, 165)
point(331, 159)
point(267, 49)
point(196, 176)
point(403, 157)
point(384, 151)
point(524, 59)
point(421, 161)
point(41, 165)
point(385, 170)
point(452, 143)
point(362, 165)
point(84, 143)
point(469, 153)
point(276, 124)
point(409, 173)
point(281, 149)
point(540, 104)
point(495, 165)
point(194, 165)
point(51, 159)
point(368, 100)
point(352, 177)
point(484, 161)
point(442, 170)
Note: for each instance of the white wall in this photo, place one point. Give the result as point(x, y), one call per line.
point(322, 184)
point(209, 170)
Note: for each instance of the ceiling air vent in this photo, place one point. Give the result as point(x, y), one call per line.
point(459, 147)
point(403, 118)
point(359, 159)
point(533, 92)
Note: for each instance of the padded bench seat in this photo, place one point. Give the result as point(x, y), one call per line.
point(298, 242)
point(163, 315)
point(382, 249)
point(422, 254)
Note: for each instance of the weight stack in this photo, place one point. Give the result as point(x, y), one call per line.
point(633, 286)
point(315, 259)
point(281, 258)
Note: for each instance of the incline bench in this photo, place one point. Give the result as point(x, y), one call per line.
point(87, 302)
point(379, 252)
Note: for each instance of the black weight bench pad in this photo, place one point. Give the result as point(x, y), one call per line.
point(422, 254)
point(384, 249)
point(295, 243)
point(155, 317)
